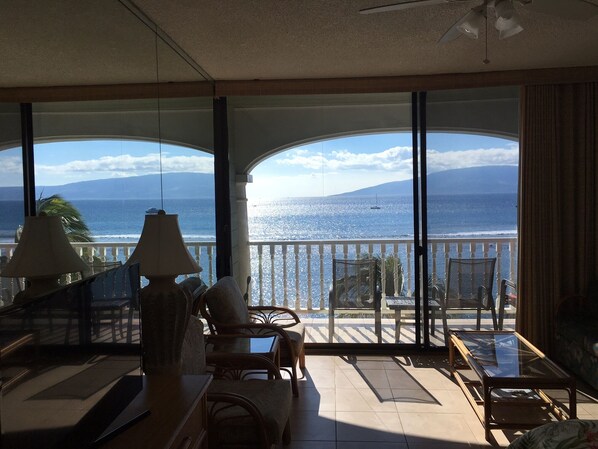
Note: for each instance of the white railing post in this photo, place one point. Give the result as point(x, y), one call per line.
point(297, 290)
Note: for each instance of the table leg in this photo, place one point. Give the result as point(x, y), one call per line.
point(397, 325)
point(487, 410)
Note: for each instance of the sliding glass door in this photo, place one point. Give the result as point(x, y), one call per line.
point(470, 156)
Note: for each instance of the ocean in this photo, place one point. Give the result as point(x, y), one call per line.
point(330, 218)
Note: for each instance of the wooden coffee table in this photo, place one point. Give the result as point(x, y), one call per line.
point(503, 369)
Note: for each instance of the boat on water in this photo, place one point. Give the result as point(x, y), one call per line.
point(152, 210)
point(375, 206)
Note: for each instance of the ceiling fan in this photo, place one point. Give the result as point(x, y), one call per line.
point(503, 12)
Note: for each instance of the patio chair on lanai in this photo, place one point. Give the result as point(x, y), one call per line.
point(468, 286)
point(355, 290)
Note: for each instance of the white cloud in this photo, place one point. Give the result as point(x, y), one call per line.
point(398, 159)
point(342, 171)
point(127, 165)
point(11, 171)
point(390, 159)
point(447, 160)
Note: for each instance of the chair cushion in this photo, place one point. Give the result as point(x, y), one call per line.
point(196, 287)
point(296, 333)
point(272, 397)
point(193, 353)
point(573, 433)
point(225, 302)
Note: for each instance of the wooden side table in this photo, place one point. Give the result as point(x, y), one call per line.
point(177, 419)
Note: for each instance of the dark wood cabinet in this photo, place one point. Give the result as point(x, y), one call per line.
point(177, 416)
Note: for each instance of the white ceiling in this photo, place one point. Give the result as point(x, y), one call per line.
point(83, 42)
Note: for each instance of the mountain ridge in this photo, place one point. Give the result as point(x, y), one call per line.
point(480, 180)
point(489, 179)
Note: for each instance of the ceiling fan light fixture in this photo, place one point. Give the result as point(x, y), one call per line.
point(508, 27)
point(471, 23)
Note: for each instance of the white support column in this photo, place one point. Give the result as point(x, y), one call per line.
point(242, 229)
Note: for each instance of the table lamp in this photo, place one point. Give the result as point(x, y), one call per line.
point(41, 256)
point(165, 306)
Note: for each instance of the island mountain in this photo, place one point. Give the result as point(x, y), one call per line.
point(461, 181)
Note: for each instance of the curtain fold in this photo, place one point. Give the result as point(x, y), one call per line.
point(557, 202)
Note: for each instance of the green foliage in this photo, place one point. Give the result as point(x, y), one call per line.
point(74, 226)
point(390, 262)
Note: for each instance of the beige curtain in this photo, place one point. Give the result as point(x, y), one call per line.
point(558, 246)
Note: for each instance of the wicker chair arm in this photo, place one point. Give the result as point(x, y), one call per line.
point(219, 405)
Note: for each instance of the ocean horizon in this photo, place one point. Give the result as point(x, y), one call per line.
point(321, 218)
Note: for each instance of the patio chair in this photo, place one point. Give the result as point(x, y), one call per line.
point(112, 296)
point(249, 404)
point(468, 286)
point(507, 297)
point(355, 290)
point(224, 309)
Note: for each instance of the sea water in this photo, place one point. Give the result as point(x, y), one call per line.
point(329, 218)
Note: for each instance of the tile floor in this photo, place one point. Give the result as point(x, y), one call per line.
point(383, 402)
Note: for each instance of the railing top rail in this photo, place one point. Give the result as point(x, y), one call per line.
point(385, 241)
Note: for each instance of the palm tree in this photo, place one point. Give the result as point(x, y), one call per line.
point(74, 226)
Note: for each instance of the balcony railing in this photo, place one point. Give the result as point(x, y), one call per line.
point(297, 274)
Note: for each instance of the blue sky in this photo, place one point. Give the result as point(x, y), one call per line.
point(320, 168)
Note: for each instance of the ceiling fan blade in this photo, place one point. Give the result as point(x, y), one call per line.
point(572, 9)
point(454, 32)
point(402, 6)
point(451, 34)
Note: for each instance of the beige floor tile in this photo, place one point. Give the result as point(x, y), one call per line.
point(370, 445)
point(375, 378)
point(298, 444)
point(310, 425)
point(319, 377)
point(319, 362)
point(433, 379)
point(436, 427)
point(350, 379)
point(443, 445)
point(369, 426)
point(431, 401)
point(380, 400)
point(321, 398)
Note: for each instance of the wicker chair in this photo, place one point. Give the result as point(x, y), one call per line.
point(245, 408)
point(225, 310)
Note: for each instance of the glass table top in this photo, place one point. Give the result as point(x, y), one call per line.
point(238, 344)
point(506, 354)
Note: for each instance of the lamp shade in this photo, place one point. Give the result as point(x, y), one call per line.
point(161, 250)
point(44, 250)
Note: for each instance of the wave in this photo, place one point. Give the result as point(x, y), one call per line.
point(494, 233)
point(117, 237)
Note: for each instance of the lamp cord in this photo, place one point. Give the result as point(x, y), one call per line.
point(159, 126)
